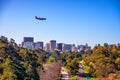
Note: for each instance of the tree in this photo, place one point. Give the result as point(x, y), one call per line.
point(103, 61)
point(117, 61)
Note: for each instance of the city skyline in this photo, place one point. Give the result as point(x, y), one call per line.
point(28, 43)
point(68, 21)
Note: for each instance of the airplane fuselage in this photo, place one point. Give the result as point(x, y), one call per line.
point(38, 18)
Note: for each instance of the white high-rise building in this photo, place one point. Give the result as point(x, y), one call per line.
point(28, 42)
point(47, 47)
point(74, 48)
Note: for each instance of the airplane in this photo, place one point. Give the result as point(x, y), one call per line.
point(38, 18)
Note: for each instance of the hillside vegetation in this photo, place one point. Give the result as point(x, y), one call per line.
point(18, 63)
point(104, 61)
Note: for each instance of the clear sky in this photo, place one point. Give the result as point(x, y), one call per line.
point(68, 21)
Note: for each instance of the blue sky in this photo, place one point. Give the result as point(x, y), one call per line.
point(68, 21)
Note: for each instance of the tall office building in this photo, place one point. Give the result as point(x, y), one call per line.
point(28, 39)
point(67, 47)
point(38, 45)
point(74, 48)
point(52, 45)
point(60, 46)
point(81, 47)
point(47, 47)
point(28, 42)
point(84, 47)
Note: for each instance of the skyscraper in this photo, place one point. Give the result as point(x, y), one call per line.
point(38, 45)
point(52, 45)
point(47, 47)
point(60, 46)
point(67, 47)
point(28, 39)
point(74, 48)
point(81, 47)
point(28, 42)
point(84, 47)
